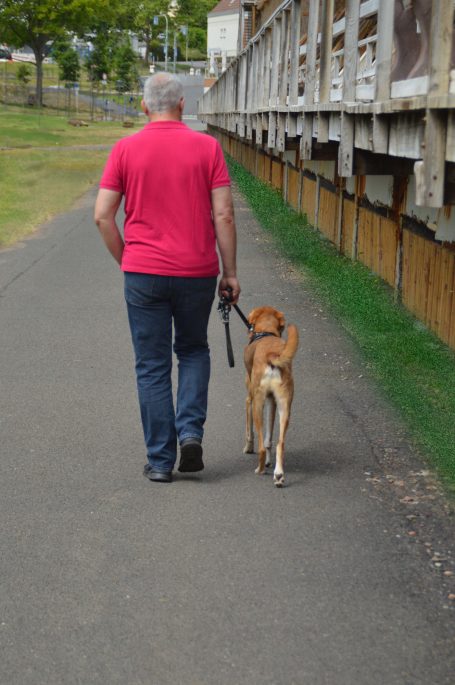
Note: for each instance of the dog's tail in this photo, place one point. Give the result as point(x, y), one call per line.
point(288, 351)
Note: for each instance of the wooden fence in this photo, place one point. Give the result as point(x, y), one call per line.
point(399, 249)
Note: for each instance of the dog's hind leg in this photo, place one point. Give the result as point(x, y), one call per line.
point(249, 443)
point(284, 412)
point(270, 408)
point(258, 410)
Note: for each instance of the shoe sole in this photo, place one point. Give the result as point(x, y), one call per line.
point(191, 458)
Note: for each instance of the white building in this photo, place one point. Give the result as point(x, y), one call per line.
point(222, 33)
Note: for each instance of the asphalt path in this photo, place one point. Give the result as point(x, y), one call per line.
point(218, 578)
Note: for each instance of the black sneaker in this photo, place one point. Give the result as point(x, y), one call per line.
point(191, 456)
point(157, 476)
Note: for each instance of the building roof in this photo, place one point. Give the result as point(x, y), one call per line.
point(226, 7)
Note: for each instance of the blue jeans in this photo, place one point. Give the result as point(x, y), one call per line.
point(153, 302)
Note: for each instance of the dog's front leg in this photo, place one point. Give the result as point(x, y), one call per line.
point(249, 444)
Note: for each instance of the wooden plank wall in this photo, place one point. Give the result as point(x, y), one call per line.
point(293, 187)
point(428, 283)
point(427, 268)
point(377, 244)
point(308, 204)
point(328, 213)
point(348, 227)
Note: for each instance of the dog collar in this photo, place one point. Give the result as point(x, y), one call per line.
point(258, 336)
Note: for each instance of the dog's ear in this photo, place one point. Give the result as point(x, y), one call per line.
point(281, 321)
point(252, 316)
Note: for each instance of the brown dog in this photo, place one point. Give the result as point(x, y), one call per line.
point(268, 362)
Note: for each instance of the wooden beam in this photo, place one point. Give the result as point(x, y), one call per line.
point(346, 157)
point(295, 53)
point(325, 62)
point(284, 57)
point(430, 190)
point(384, 45)
point(274, 76)
point(312, 44)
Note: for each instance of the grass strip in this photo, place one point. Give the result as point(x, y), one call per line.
point(414, 368)
point(37, 185)
point(35, 129)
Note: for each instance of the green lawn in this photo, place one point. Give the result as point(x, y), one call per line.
point(415, 369)
point(38, 183)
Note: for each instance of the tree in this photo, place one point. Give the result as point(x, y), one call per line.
point(38, 23)
point(67, 60)
point(138, 17)
point(125, 67)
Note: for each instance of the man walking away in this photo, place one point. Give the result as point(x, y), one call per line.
point(178, 207)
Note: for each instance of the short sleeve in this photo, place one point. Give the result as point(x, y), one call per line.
point(220, 174)
point(112, 177)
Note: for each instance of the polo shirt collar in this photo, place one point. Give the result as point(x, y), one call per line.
point(165, 124)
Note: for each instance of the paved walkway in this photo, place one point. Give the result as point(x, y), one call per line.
point(218, 579)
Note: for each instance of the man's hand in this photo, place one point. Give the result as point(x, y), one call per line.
point(229, 288)
point(107, 204)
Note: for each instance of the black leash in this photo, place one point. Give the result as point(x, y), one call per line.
point(224, 309)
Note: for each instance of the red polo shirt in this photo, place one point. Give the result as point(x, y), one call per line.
point(166, 172)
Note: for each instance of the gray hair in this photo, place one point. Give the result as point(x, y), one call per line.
point(162, 92)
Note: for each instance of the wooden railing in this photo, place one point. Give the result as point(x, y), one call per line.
point(312, 79)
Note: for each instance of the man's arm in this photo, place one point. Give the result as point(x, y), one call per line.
point(107, 204)
point(226, 237)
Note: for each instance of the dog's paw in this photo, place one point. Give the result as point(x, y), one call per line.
point(278, 479)
point(249, 448)
point(268, 462)
point(259, 471)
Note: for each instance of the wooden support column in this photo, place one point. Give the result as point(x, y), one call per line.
point(267, 67)
point(326, 50)
point(310, 79)
point(274, 76)
point(294, 54)
point(325, 78)
point(430, 172)
point(351, 36)
point(384, 46)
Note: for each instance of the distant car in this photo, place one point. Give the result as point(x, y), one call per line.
point(5, 54)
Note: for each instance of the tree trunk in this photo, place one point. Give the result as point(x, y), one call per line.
point(38, 51)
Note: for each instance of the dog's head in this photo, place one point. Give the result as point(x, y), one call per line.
point(266, 320)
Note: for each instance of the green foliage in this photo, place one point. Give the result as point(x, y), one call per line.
point(198, 39)
point(415, 369)
point(99, 62)
point(194, 12)
point(125, 66)
point(23, 74)
point(68, 62)
point(38, 22)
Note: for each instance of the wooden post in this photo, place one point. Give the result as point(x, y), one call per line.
point(284, 57)
point(346, 149)
point(267, 67)
point(274, 77)
point(384, 46)
point(310, 79)
point(325, 64)
point(326, 51)
point(295, 54)
point(430, 189)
